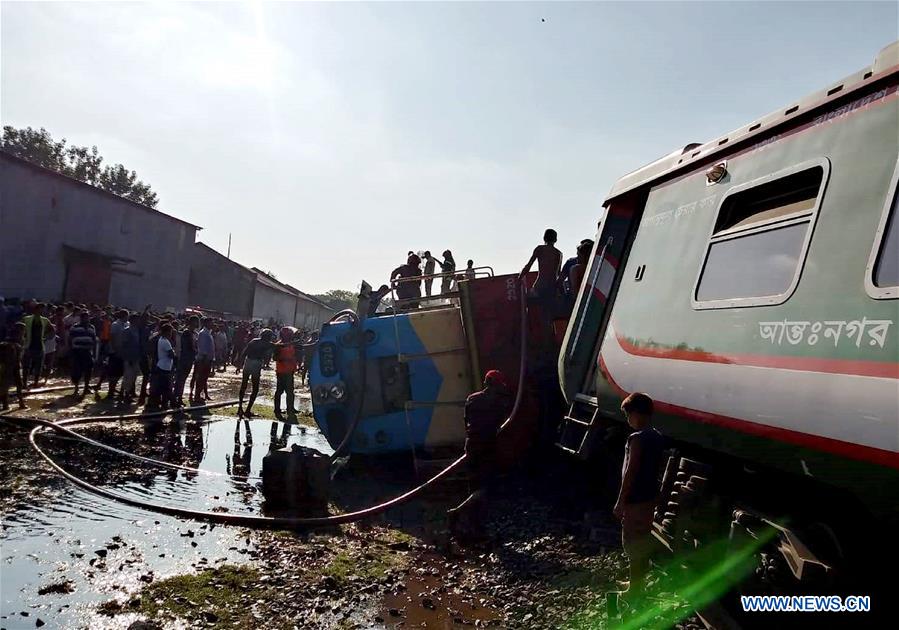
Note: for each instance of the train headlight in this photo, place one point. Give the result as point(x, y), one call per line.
point(321, 393)
point(716, 173)
point(338, 391)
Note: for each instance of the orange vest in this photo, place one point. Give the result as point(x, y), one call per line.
point(286, 360)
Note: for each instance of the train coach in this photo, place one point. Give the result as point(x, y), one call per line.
point(750, 285)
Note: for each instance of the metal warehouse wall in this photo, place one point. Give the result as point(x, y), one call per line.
point(42, 211)
point(311, 315)
point(219, 284)
point(271, 303)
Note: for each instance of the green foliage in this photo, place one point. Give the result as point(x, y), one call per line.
point(368, 566)
point(338, 299)
point(220, 591)
point(81, 163)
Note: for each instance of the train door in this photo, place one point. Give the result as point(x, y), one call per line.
point(580, 346)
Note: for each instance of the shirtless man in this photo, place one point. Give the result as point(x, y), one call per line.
point(549, 261)
point(253, 357)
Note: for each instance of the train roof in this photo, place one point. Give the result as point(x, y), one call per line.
point(886, 62)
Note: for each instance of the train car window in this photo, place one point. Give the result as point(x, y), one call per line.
point(752, 266)
point(760, 237)
point(788, 196)
point(882, 278)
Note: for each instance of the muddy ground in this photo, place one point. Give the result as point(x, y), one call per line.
point(72, 559)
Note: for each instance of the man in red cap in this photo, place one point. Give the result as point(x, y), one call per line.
point(485, 411)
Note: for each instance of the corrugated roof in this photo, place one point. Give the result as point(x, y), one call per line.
point(221, 255)
point(12, 158)
point(269, 281)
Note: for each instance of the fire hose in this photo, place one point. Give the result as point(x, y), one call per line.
point(248, 520)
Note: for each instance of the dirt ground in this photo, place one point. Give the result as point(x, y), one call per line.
point(74, 560)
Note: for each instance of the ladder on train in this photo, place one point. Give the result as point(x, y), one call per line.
point(580, 427)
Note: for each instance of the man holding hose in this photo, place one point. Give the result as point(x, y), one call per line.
point(485, 411)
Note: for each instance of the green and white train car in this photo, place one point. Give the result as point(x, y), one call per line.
point(750, 285)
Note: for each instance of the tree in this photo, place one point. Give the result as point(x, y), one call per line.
point(81, 163)
point(87, 165)
point(338, 299)
point(36, 146)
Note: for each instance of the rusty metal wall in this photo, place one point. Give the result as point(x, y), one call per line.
point(41, 211)
point(219, 284)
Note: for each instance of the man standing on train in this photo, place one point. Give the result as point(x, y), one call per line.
point(408, 288)
point(430, 265)
point(549, 261)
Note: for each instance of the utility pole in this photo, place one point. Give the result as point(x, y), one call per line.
point(229, 245)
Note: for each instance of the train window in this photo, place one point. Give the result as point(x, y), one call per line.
point(760, 237)
point(882, 278)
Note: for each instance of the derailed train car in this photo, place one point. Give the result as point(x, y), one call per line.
point(750, 285)
point(397, 382)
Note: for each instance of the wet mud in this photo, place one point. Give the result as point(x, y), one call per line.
point(71, 559)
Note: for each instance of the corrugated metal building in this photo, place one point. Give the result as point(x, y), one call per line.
point(219, 284)
point(62, 239)
point(283, 303)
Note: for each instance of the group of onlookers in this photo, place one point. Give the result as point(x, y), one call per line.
point(408, 277)
point(107, 345)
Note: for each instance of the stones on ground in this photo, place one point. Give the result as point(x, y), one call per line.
point(58, 588)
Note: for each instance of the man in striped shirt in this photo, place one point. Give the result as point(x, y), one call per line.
point(83, 342)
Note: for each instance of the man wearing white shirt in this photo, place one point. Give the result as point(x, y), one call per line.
point(205, 356)
point(161, 385)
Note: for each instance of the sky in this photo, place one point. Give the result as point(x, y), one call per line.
point(330, 139)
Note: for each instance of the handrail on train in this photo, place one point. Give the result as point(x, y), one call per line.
point(486, 270)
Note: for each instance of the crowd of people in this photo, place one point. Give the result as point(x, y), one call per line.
point(409, 277)
point(556, 286)
point(112, 348)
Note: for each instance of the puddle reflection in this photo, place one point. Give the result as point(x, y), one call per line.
point(62, 534)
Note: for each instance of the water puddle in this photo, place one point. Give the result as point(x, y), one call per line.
point(64, 550)
point(431, 598)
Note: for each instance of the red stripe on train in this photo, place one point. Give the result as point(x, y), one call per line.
point(804, 364)
point(849, 450)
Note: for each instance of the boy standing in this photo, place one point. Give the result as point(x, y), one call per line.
point(639, 486)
